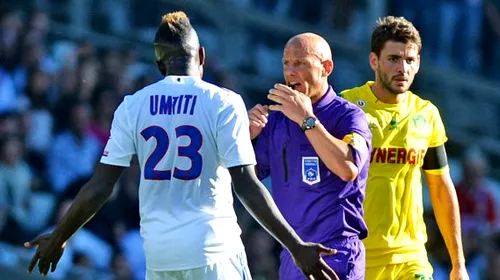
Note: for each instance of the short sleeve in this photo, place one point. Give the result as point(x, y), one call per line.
point(353, 129)
point(262, 153)
point(120, 146)
point(233, 133)
point(438, 136)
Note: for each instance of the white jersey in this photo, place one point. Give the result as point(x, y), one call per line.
point(185, 133)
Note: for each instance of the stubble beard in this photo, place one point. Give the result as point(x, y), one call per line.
point(387, 83)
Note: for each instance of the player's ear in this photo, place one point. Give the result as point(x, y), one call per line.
point(161, 67)
point(373, 59)
point(328, 67)
point(201, 55)
point(418, 64)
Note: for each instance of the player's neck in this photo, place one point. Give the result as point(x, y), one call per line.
point(385, 96)
point(320, 93)
point(186, 70)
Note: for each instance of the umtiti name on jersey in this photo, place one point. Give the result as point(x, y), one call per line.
point(397, 155)
point(172, 105)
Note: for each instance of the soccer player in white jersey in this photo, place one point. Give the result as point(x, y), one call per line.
point(191, 139)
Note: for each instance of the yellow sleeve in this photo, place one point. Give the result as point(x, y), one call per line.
point(440, 171)
point(438, 136)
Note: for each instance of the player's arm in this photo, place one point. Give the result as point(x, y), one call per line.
point(88, 201)
point(116, 157)
point(444, 202)
point(258, 201)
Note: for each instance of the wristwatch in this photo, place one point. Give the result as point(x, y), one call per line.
point(309, 123)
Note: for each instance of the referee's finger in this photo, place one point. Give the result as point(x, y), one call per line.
point(261, 109)
point(256, 123)
point(257, 116)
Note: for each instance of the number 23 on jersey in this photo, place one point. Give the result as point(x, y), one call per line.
point(190, 151)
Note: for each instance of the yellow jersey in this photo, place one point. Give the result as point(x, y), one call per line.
point(393, 206)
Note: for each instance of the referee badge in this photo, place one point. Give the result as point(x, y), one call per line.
point(310, 170)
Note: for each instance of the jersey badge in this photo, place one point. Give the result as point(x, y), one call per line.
point(310, 170)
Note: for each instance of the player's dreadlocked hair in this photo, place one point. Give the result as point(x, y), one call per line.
point(175, 37)
point(396, 29)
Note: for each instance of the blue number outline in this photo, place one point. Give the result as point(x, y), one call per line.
point(190, 151)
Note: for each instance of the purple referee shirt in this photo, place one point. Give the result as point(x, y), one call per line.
point(319, 205)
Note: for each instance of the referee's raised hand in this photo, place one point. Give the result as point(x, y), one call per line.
point(258, 119)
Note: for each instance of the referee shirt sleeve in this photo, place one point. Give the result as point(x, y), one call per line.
point(355, 132)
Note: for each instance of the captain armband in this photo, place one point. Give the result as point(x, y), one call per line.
point(356, 141)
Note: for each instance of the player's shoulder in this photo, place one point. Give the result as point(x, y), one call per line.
point(219, 94)
point(347, 107)
point(421, 104)
point(356, 93)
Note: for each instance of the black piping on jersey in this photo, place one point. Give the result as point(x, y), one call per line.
point(285, 164)
point(435, 158)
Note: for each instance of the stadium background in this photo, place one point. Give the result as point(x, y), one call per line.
point(65, 65)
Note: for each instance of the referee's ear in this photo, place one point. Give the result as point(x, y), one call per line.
point(328, 66)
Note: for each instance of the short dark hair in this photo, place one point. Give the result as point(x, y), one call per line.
point(173, 36)
point(396, 29)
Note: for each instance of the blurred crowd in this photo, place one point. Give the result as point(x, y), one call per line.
point(57, 98)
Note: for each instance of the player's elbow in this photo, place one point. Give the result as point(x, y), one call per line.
point(348, 172)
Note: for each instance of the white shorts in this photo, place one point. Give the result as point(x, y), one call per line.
point(235, 268)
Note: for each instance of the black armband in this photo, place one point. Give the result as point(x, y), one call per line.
point(435, 158)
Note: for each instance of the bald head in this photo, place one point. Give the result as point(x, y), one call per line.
point(312, 44)
point(307, 63)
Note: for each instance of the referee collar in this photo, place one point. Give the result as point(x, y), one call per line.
point(327, 98)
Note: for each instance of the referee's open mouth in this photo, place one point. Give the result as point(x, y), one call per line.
point(293, 85)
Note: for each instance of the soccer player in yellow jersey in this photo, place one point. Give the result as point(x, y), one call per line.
point(408, 135)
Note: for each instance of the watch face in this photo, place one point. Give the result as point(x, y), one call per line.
point(310, 122)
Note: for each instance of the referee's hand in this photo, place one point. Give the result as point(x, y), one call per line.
point(258, 119)
point(308, 259)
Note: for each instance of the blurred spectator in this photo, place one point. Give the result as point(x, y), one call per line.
point(35, 57)
point(104, 102)
point(121, 268)
point(83, 248)
point(493, 271)
point(75, 151)
point(130, 242)
point(39, 133)
point(491, 41)
point(11, 27)
point(477, 204)
point(460, 33)
point(439, 258)
point(10, 124)
point(261, 255)
point(8, 96)
point(88, 74)
point(38, 27)
point(15, 191)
